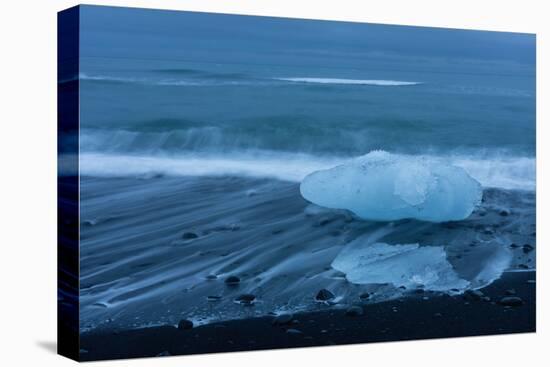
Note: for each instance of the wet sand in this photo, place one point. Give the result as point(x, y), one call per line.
point(157, 250)
point(419, 316)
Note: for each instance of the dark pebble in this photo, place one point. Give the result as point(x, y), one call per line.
point(232, 280)
point(488, 230)
point(213, 298)
point(323, 222)
point(283, 319)
point(511, 301)
point(364, 296)
point(185, 325)
point(514, 245)
point(504, 212)
point(189, 236)
point(527, 248)
point(245, 299)
point(354, 311)
point(473, 295)
point(211, 277)
point(294, 331)
point(324, 295)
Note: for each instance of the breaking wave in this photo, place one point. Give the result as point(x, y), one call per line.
point(385, 83)
point(513, 173)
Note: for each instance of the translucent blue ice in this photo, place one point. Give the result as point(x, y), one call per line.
point(408, 265)
point(383, 187)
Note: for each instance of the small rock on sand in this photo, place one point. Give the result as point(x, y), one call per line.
point(283, 319)
point(527, 248)
point(324, 221)
point(232, 280)
point(189, 236)
point(354, 311)
point(511, 301)
point(324, 295)
point(364, 296)
point(185, 324)
point(488, 230)
point(245, 299)
point(473, 295)
point(294, 331)
point(504, 212)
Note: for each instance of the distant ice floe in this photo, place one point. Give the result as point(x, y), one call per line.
point(384, 187)
point(408, 265)
point(385, 83)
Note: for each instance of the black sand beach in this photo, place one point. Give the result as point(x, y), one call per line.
point(420, 316)
point(158, 250)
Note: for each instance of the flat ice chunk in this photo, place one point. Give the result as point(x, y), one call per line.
point(408, 265)
point(384, 187)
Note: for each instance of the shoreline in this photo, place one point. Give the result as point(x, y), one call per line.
point(154, 251)
point(419, 316)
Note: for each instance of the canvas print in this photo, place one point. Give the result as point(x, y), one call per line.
point(233, 183)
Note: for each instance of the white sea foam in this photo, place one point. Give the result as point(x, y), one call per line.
point(498, 172)
point(378, 82)
point(283, 167)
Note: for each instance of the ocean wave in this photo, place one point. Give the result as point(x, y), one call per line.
point(201, 80)
point(377, 82)
point(513, 173)
point(213, 79)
